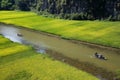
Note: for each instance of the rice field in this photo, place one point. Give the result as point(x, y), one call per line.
point(99, 32)
point(20, 62)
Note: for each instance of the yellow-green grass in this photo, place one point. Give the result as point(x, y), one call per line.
point(6, 48)
point(20, 62)
point(12, 14)
point(100, 32)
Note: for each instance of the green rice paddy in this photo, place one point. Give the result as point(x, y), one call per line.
point(20, 62)
point(99, 32)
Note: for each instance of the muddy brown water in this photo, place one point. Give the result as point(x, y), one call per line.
point(78, 52)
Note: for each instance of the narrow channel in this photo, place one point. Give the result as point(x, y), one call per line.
point(74, 51)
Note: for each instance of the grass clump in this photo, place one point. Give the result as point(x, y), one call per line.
point(118, 75)
point(23, 75)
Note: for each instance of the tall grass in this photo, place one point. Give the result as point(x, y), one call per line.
point(99, 32)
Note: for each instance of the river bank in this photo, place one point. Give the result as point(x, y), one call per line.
point(21, 62)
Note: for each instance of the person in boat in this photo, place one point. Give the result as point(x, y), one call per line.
point(96, 54)
point(100, 56)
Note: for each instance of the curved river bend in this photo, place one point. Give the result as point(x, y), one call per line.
point(74, 51)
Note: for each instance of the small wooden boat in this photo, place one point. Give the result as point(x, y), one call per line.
point(19, 34)
point(100, 56)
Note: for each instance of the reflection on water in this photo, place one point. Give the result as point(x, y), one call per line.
point(80, 52)
point(10, 33)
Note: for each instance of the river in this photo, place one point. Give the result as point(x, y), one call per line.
point(78, 52)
